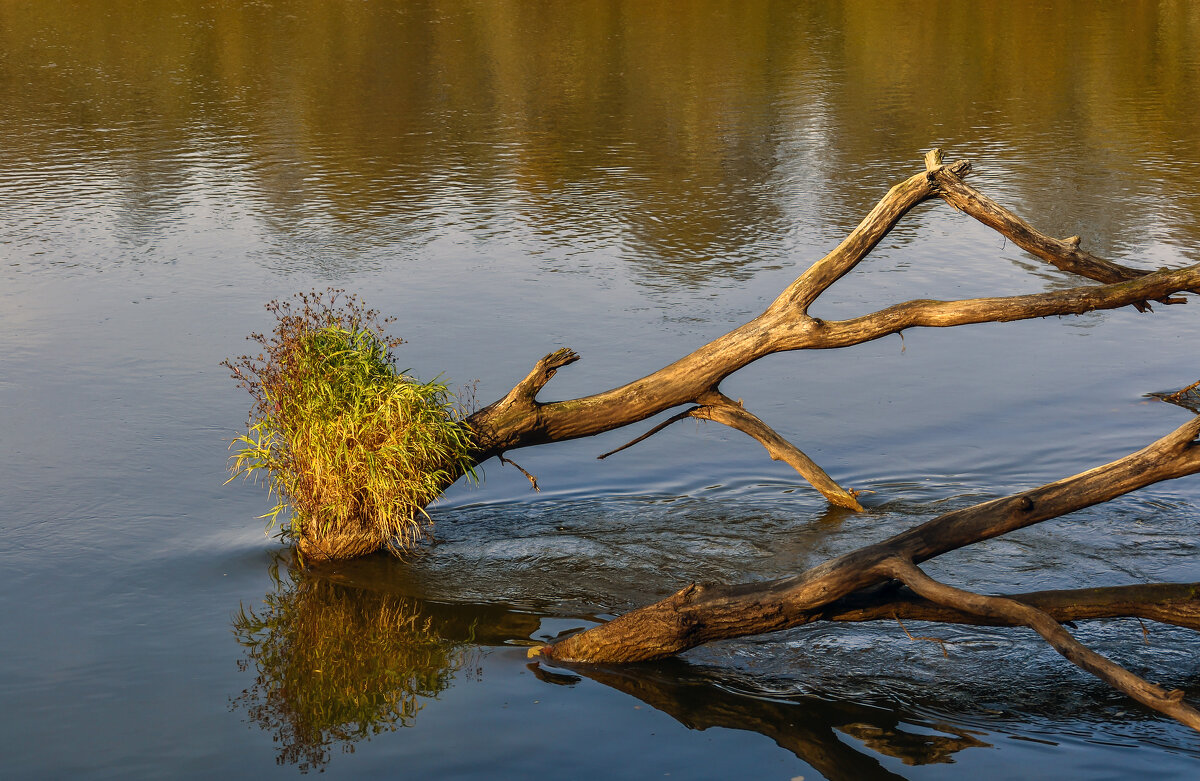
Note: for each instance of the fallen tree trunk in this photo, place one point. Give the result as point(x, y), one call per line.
point(1149, 694)
point(699, 614)
point(520, 420)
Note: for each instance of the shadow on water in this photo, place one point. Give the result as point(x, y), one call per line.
point(807, 727)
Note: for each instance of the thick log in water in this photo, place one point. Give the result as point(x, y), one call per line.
point(699, 614)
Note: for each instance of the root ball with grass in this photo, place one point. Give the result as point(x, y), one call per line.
point(351, 448)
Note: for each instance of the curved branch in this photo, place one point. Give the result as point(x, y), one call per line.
point(1152, 696)
point(720, 408)
point(700, 614)
point(1061, 253)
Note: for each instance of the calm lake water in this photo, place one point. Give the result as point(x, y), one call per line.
point(630, 180)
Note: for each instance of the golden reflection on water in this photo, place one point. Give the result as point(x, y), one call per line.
point(691, 136)
point(339, 656)
point(334, 665)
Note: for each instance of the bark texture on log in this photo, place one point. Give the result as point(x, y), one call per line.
point(1164, 603)
point(520, 420)
point(699, 614)
point(854, 586)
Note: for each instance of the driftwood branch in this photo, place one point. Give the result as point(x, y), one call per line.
point(719, 408)
point(861, 585)
point(1151, 695)
point(1064, 254)
point(520, 420)
point(809, 728)
point(1165, 603)
point(698, 614)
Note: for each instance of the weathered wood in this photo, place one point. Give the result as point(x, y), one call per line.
point(719, 408)
point(699, 614)
point(1001, 608)
point(836, 590)
point(1164, 603)
point(520, 420)
point(1064, 254)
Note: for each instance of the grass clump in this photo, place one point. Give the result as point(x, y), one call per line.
point(351, 448)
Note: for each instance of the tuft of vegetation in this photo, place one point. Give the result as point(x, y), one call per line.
point(351, 448)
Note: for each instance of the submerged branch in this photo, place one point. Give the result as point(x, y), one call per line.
point(1149, 694)
point(699, 614)
point(720, 408)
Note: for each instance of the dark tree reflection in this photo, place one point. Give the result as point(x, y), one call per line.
point(805, 726)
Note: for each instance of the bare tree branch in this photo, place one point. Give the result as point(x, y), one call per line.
point(519, 420)
point(720, 408)
point(1149, 694)
point(699, 614)
point(1165, 603)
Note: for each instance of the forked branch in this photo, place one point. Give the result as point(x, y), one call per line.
point(701, 613)
point(1151, 695)
point(519, 420)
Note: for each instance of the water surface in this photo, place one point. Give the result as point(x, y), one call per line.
point(629, 180)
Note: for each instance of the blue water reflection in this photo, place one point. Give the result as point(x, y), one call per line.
point(629, 180)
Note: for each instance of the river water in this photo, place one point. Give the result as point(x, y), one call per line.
point(629, 180)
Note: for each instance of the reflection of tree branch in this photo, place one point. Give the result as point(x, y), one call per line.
point(804, 728)
point(1188, 398)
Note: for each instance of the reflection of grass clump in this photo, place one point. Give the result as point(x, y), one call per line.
point(354, 448)
point(336, 665)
